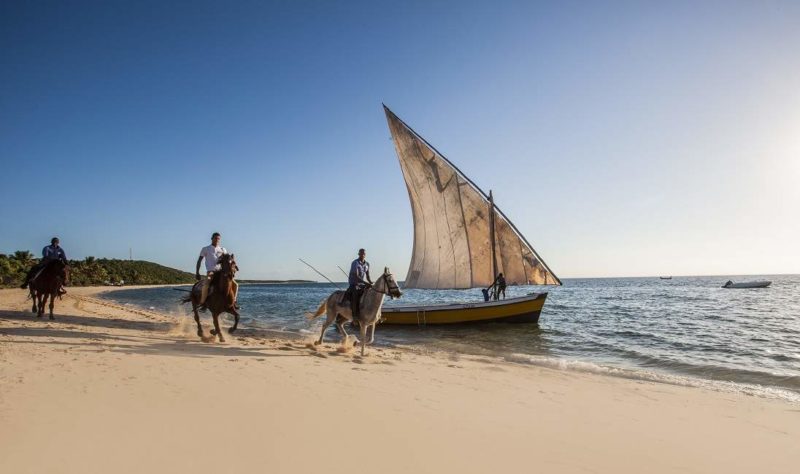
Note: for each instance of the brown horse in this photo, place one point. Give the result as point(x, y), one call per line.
point(47, 284)
point(220, 298)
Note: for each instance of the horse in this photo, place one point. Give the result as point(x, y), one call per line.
point(369, 309)
point(47, 284)
point(220, 300)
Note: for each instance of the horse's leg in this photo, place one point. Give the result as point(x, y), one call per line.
point(235, 323)
point(197, 320)
point(42, 302)
point(372, 333)
point(33, 297)
point(340, 327)
point(52, 303)
point(328, 320)
point(217, 330)
point(363, 328)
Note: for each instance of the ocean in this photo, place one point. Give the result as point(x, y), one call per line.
point(686, 331)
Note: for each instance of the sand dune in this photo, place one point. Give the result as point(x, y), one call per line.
point(107, 388)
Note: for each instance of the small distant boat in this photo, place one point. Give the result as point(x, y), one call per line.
point(747, 284)
point(666, 278)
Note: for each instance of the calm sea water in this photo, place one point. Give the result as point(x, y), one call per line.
point(685, 331)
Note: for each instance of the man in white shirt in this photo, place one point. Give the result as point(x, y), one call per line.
point(211, 254)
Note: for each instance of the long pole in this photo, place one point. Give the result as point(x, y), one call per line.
point(491, 235)
point(345, 273)
point(319, 272)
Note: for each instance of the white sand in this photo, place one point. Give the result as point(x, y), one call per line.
point(105, 389)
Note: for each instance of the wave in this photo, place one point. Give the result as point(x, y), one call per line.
point(763, 391)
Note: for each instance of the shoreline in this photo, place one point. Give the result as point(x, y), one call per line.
point(114, 388)
point(551, 362)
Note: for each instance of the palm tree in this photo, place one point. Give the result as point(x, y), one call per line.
point(23, 257)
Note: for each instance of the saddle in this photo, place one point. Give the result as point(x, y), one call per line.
point(352, 297)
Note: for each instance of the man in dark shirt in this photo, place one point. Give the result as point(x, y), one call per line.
point(499, 286)
point(49, 253)
point(358, 279)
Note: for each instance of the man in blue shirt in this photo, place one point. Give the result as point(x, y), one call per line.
point(358, 280)
point(49, 253)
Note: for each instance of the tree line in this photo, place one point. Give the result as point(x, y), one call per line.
point(95, 271)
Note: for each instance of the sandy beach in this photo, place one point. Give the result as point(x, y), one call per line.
point(108, 388)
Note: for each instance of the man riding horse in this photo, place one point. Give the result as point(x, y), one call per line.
point(50, 253)
point(358, 280)
point(211, 254)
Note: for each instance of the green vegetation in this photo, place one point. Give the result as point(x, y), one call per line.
point(93, 271)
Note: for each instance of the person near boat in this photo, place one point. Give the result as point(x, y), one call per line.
point(50, 253)
point(358, 280)
point(211, 254)
point(499, 286)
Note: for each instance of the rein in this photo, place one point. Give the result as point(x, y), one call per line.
point(389, 288)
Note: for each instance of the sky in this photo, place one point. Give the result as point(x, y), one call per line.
point(622, 138)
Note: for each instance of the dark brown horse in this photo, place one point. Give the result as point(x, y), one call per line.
point(221, 298)
point(47, 285)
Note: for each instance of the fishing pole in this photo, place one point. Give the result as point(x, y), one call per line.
point(342, 269)
point(319, 273)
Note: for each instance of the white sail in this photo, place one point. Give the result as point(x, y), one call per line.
point(452, 224)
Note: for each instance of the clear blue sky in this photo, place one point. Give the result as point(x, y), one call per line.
point(622, 138)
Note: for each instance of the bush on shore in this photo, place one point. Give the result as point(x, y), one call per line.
point(95, 271)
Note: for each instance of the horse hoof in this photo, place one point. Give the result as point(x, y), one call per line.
point(231, 330)
point(213, 332)
point(316, 343)
point(200, 334)
point(221, 339)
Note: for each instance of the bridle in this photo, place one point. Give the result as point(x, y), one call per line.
point(389, 287)
point(228, 266)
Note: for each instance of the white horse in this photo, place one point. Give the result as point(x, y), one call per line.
point(369, 309)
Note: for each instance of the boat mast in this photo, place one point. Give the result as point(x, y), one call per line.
point(491, 235)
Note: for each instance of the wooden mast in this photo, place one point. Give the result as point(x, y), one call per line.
point(491, 236)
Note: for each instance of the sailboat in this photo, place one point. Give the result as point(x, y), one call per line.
point(461, 240)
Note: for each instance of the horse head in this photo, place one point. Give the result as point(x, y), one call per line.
point(391, 287)
point(58, 268)
point(227, 263)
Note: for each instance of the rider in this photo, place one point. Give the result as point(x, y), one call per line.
point(358, 279)
point(50, 253)
point(211, 254)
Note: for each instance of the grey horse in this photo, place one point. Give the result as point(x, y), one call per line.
point(370, 308)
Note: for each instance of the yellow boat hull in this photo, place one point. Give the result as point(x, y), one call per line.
point(525, 309)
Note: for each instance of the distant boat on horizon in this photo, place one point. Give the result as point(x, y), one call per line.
point(666, 278)
point(747, 284)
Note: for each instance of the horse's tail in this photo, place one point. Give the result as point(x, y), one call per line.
point(186, 299)
point(320, 311)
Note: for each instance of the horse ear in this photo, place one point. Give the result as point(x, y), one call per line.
point(386, 270)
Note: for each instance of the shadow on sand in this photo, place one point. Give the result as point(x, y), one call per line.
point(156, 340)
